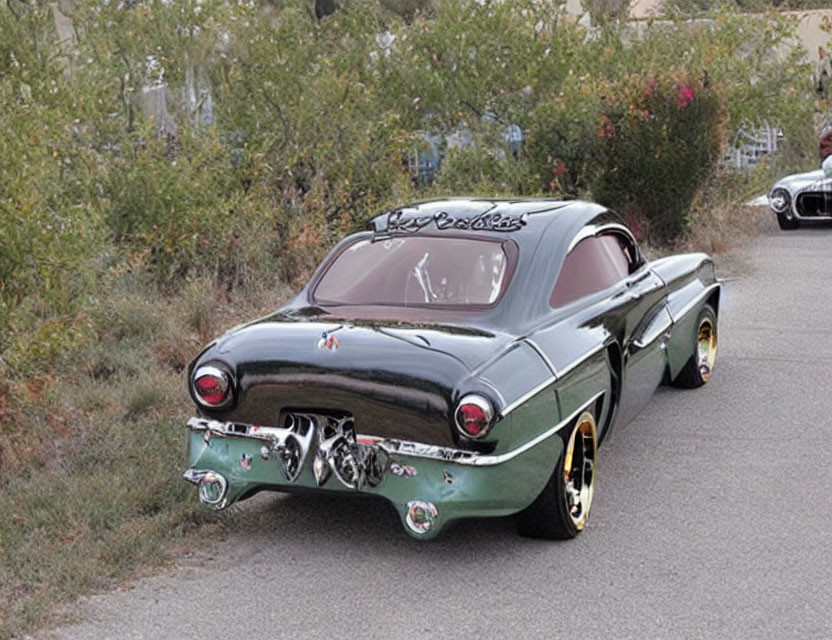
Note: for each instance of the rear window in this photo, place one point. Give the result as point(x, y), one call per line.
point(418, 271)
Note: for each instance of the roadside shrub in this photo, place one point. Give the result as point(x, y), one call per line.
point(487, 165)
point(179, 211)
point(48, 220)
point(563, 141)
point(659, 139)
point(717, 219)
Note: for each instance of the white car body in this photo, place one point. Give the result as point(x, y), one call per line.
point(802, 196)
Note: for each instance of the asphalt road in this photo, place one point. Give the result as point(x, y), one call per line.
point(712, 519)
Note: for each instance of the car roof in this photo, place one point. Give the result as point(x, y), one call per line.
point(543, 229)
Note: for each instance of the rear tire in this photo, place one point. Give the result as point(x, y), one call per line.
point(697, 370)
point(561, 510)
point(787, 221)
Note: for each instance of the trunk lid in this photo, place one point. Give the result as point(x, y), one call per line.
point(396, 380)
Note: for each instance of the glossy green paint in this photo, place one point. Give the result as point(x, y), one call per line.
point(469, 491)
point(584, 382)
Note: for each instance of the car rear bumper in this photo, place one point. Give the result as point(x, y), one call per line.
point(230, 461)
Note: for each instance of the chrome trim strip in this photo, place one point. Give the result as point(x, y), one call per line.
point(590, 231)
point(466, 458)
point(411, 449)
point(492, 460)
point(513, 405)
point(224, 429)
point(810, 218)
point(542, 355)
point(560, 374)
point(494, 390)
point(696, 300)
point(650, 337)
point(581, 359)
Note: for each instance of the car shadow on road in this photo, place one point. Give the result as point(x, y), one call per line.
point(350, 524)
point(811, 226)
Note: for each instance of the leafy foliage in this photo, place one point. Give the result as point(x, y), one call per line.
point(314, 120)
point(131, 231)
point(704, 6)
point(658, 146)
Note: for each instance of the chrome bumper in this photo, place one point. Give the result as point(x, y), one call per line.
point(420, 480)
point(355, 460)
point(363, 456)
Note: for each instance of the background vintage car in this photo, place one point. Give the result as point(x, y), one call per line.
point(459, 358)
point(802, 196)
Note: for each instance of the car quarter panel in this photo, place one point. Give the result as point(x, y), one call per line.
point(516, 374)
point(578, 353)
point(586, 380)
point(523, 383)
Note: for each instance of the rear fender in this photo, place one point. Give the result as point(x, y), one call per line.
point(591, 378)
point(522, 382)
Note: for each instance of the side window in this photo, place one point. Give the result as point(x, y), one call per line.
point(593, 264)
point(620, 251)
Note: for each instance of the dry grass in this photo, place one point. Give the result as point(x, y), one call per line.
point(719, 229)
point(719, 220)
point(91, 455)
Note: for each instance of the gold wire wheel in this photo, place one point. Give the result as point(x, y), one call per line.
point(706, 348)
point(579, 470)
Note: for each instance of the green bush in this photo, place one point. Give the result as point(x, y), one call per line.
point(562, 142)
point(50, 227)
point(179, 211)
point(314, 121)
point(657, 144)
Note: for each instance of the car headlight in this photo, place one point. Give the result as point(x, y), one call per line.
point(780, 200)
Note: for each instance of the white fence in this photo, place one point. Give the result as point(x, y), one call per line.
point(750, 144)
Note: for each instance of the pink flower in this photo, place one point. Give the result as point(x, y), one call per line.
point(684, 97)
point(607, 129)
point(650, 88)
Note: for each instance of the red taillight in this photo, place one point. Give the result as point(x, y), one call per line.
point(473, 416)
point(212, 386)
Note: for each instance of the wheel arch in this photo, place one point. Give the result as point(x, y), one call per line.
point(713, 300)
point(613, 398)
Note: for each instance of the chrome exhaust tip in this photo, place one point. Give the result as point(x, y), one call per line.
point(420, 516)
point(212, 486)
point(212, 489)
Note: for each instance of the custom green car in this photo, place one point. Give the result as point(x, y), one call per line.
point(459, 358)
